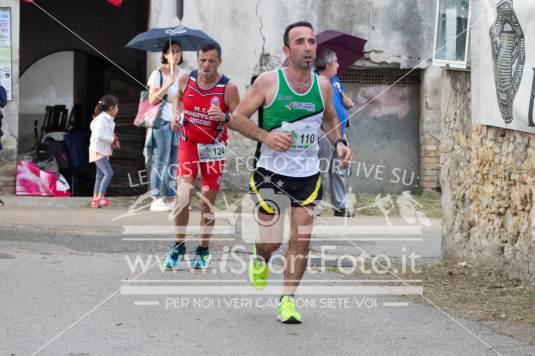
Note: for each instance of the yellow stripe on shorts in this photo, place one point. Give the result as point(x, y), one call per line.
point(263, 204)
point(314, 194)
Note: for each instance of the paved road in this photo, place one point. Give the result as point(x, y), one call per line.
point(68, 289)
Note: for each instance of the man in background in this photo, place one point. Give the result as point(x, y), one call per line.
point(330, 165)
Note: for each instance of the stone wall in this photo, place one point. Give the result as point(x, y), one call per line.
point(430, 98)
point(487, 178)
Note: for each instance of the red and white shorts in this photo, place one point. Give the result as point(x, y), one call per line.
point(189, 165)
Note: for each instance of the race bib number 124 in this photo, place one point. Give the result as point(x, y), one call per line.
point(213, 152)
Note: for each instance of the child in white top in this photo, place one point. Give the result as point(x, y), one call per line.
point(103, 141)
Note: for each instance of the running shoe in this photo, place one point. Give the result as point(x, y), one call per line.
point(175, 257)
point(104, 202)
point(258, 271)
point(170, 203)
point(344, 213)
point(286, 312)
point(95, 204)
point(159, 205)
point(201, 259)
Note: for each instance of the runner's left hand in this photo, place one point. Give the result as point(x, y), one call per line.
point(345, 154)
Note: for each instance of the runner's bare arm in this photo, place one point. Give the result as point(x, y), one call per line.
point(232, 99)
point(331, 124)
point(254, 99)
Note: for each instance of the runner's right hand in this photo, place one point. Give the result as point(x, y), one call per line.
point(278, 141)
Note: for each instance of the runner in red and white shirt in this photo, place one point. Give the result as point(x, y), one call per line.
point(205, 100)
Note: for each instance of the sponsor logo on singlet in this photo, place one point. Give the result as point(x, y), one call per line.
point(284, 97)
point(294, 105)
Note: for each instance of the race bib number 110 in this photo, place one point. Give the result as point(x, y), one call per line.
point(304, 136)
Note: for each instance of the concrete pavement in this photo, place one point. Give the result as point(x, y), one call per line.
point(67, 290)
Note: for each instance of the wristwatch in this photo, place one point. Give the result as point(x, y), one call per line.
point(340, 140)
point(227, 117)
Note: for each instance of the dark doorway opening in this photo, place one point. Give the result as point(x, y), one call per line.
point(92, 76)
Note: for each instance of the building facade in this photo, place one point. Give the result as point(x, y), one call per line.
point(488, 145)
point(395, 126)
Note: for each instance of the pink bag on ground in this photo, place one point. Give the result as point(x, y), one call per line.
point(33, 181)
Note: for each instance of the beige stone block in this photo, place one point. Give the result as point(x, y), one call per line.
point(431, 154)
point(529, 165)
point(461, 140)
point(532, 141)
point(431, 172)
point(427, 182)
point(483, 155)
point(433, 167)
point(429, 147)
point(430, 160)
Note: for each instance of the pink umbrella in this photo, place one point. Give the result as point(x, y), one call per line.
point(348, 48)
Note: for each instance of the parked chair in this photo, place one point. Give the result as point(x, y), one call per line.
point(55, 120)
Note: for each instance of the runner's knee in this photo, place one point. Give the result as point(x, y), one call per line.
point(299, 243)
point(205, 208)
point(183, 197)
point(269, 248)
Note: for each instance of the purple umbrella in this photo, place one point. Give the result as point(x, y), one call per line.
point(348, 48)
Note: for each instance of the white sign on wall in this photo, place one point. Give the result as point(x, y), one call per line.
point(503, 63)
point(5, 50)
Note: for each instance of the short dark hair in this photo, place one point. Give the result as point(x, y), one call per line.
point(208, 46)
point(166, 49)
point(286, 37)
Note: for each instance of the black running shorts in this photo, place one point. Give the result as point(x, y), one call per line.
point(300, 191)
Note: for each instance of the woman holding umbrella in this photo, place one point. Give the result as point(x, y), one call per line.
point(162, 82)
point(163, 88)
